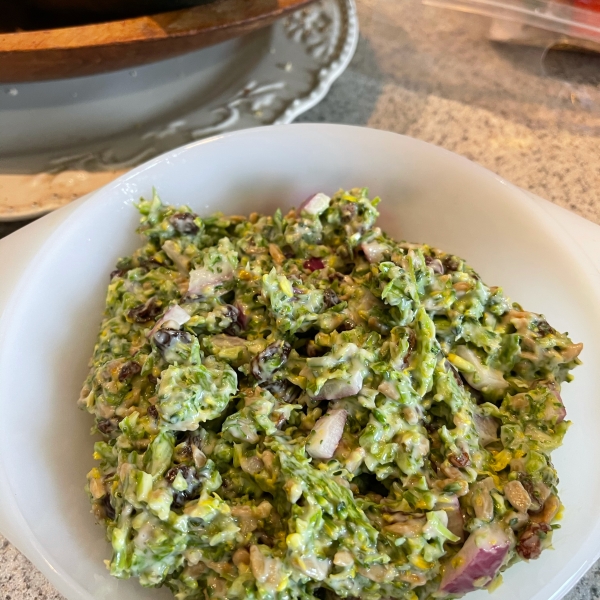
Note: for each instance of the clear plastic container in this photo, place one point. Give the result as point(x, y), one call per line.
point(579, 19)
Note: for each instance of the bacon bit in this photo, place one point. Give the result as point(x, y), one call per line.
point(314, 264)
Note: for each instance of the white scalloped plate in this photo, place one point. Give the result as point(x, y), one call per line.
point(54, 276)
point(63, 139)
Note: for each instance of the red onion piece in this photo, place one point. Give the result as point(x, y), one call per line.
point(326, 434)
point(179, 260)
point(315, 204)
point(202, 278)
point(480, 557)
point(374, 251)
point(175, 314)
point(557, 410)
point(487, 428)
point(334, 389)
point(451, 507)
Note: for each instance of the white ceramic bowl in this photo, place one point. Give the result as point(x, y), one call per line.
point(53, 308)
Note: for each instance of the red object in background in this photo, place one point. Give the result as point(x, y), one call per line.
point(587, 4)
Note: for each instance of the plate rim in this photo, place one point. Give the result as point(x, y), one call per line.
point(325, 78)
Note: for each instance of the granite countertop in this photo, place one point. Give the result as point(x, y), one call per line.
point(530, 115)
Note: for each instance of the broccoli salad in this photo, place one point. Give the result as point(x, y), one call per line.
point(297, 406)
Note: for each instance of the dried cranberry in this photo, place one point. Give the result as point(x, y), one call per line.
point(184, 223)
point(314, 264)
point(145, 312)
point(129, 370)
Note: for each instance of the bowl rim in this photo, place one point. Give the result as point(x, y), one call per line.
point(29, 544)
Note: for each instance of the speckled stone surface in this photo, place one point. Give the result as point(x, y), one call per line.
point(533, 117)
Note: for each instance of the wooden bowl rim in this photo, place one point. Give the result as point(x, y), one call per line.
point(172, 24)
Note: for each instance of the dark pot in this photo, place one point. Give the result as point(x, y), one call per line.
point(76, 12)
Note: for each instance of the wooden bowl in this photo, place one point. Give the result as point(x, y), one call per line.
point(89, 49)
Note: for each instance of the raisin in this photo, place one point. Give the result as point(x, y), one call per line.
point(288, 251)
point(545, 329)
point(313, 350)
point(529, 545)
point(172, 473)
point(435, 264)
point(118, 273)
point(149, 263)
point(238, 320)
point(145, 312)
point(460, 460)
point(184, 223)
point(347, 325)
point(109, 511)
point(348, 211)
point(152, 411)
point(330, 298)
point(107, 426)
point(457, 376)
point(164, 338)
point(129, 370)
point(273, 357)
point(451, 263)
point(192, 480)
